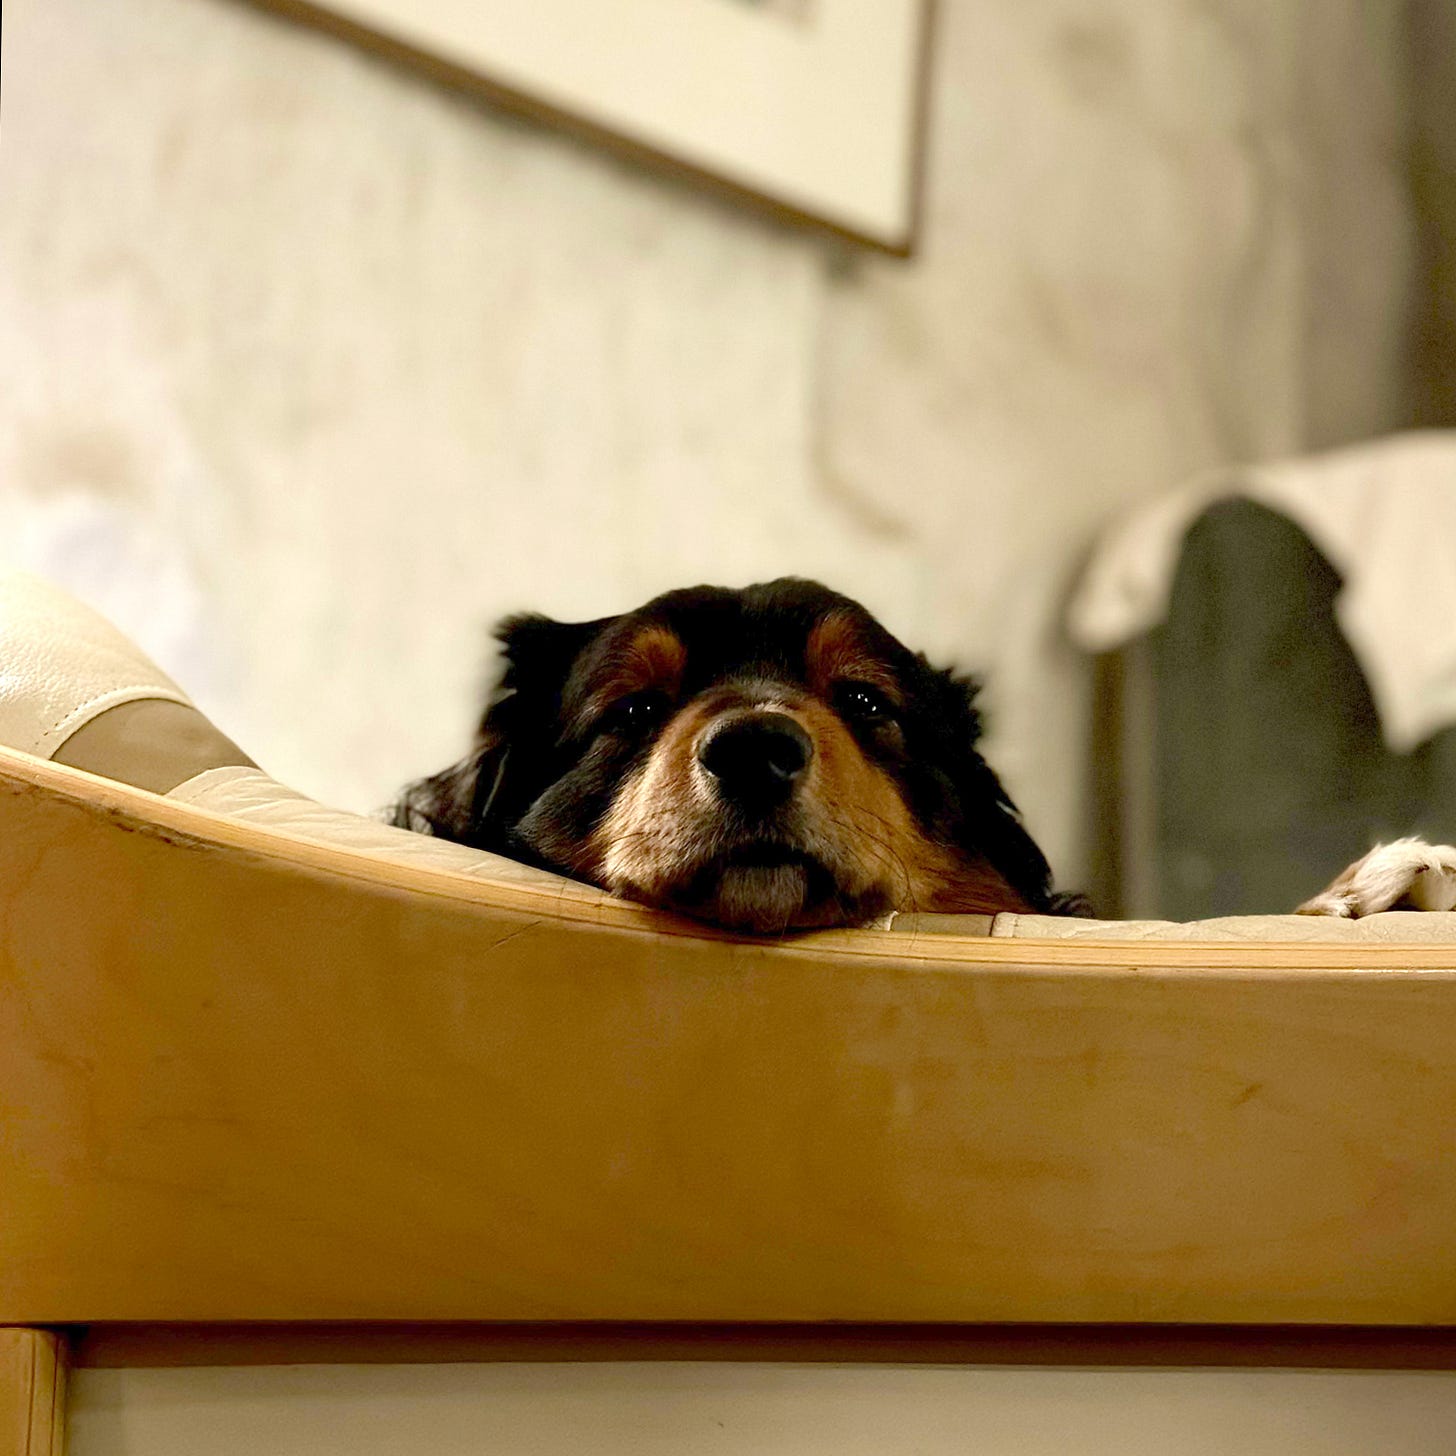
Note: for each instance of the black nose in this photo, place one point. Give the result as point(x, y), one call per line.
point(757, 759)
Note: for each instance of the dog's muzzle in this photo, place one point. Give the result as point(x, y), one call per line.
point(756, 760)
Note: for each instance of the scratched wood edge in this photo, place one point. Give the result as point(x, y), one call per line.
point(482, 87)
point(32, 1392)
point(195, 828)
point(153, 1346)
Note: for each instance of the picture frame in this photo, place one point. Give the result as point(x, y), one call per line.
point(811, 109)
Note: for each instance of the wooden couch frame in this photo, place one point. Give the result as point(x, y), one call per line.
point(283, 1100)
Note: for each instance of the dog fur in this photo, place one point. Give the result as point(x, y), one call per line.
point(1407, 875)
point(599, 757)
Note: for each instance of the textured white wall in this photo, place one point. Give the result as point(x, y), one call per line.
point(351, 366)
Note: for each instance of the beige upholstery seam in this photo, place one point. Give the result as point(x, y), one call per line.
point(78, 716)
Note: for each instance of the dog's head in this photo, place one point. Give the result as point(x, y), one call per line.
point(767, 759)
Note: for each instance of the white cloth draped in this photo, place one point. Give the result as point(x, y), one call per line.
point(1382, 513)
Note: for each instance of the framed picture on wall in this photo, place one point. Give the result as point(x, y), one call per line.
point(813, 108)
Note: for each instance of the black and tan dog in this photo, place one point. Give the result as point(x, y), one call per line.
point(769, 759)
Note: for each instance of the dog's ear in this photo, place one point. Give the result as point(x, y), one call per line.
point(517, 753)
point(988, 823)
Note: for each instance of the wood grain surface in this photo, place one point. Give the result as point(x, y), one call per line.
point(32, 1393)
point(252, 1079)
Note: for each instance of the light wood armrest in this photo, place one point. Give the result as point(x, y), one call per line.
point(251, 1078)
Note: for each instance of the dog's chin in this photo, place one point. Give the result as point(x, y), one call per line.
point(766, 892)
point(760, 899)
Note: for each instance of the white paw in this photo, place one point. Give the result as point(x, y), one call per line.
point(1409, 874)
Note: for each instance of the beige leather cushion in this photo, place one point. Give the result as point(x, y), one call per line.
point(151, 744)
point(61, 665)
point(248, 793)
point(1396, 926)
point(76, 690)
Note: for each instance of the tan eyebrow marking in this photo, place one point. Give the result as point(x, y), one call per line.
point(653, 657)
point(860, 808)
point(836, 652)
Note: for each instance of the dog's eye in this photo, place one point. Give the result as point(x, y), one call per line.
point(862, 703)
point(637, 713)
